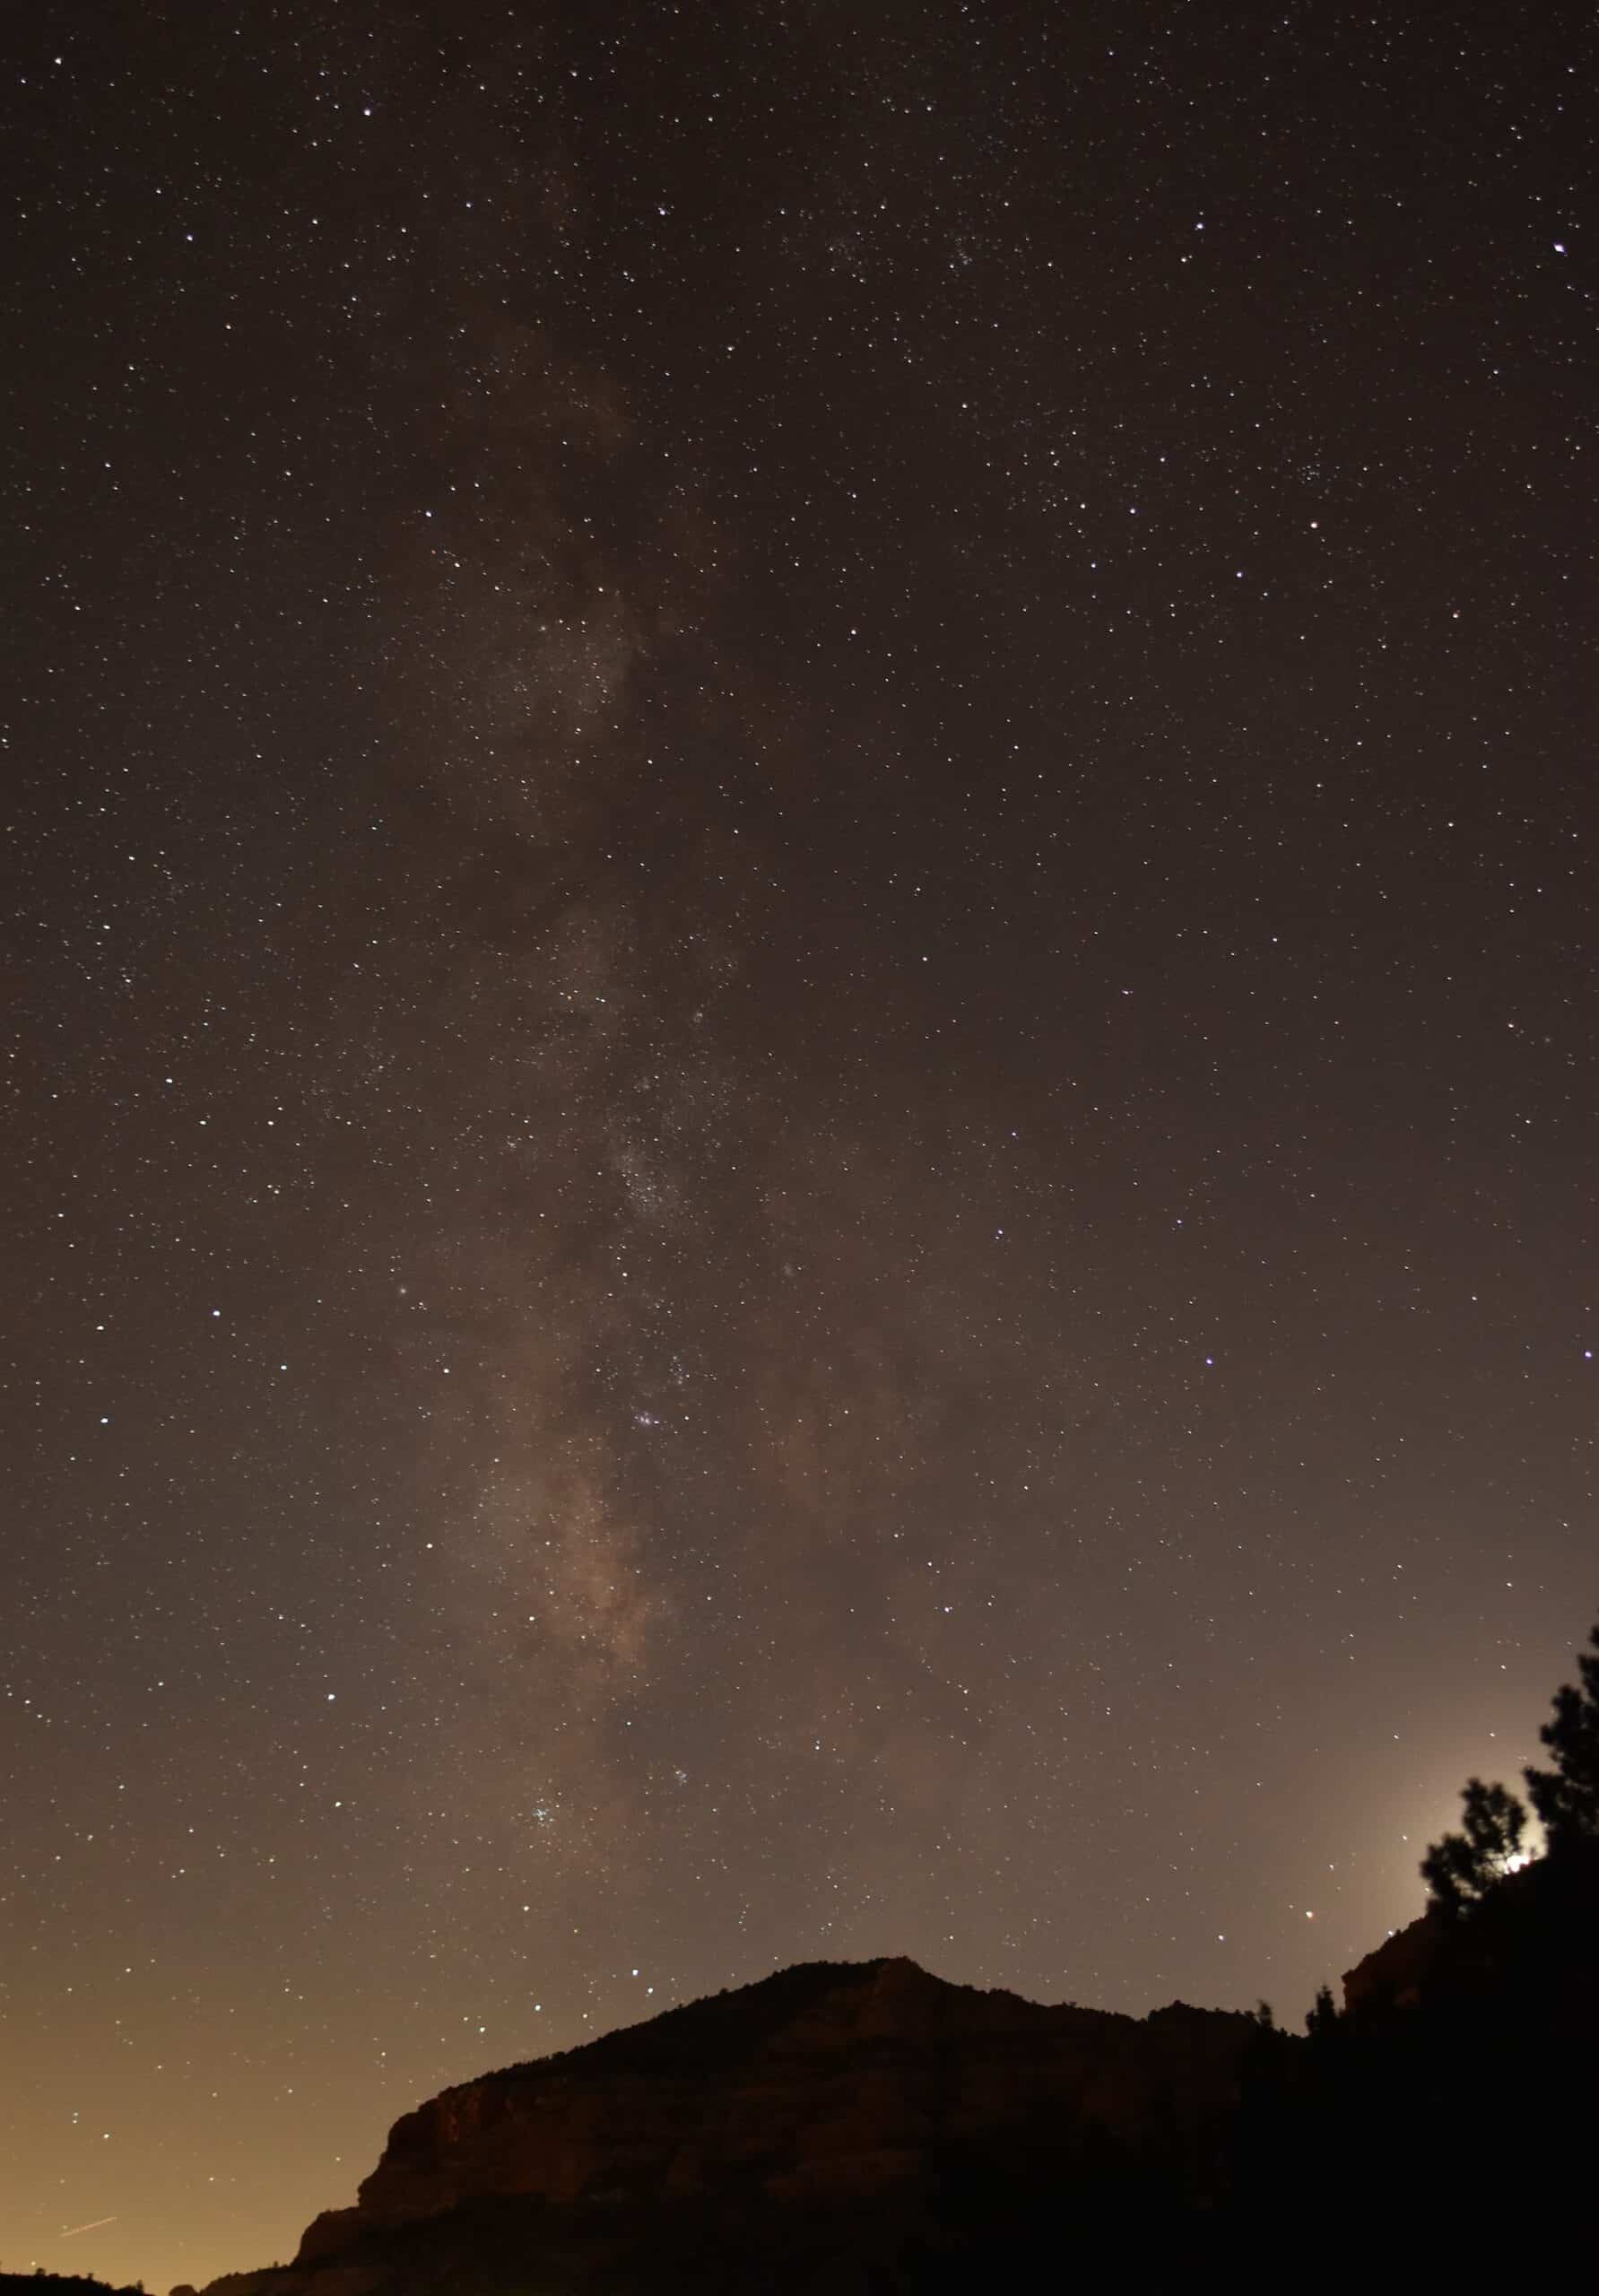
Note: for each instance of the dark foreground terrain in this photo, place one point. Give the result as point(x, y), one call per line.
point(855, 2127)
point(59, 2284)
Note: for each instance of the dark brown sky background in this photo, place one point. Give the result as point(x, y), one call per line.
point(799, 906)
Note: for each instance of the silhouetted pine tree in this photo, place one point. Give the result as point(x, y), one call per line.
point(1461, 1869)
point(1321, 2021)
point(1567, 1797)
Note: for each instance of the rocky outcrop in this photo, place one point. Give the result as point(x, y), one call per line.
point(1395, 1973)
point(830, 2088)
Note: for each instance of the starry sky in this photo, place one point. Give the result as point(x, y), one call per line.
point(802, 1075)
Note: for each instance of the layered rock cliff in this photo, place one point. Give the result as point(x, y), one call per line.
point(826, 2093)
point(1393, 1974)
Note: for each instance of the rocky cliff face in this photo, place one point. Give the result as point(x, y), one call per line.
point(826, 2089)
point(1392, 1976)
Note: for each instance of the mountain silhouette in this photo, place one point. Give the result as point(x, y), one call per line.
point(869, 2129)
point(816, 2129)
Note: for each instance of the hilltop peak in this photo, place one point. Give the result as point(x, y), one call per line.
point(753, 2118)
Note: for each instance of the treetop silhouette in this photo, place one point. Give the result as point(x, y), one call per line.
point(1462, 1869)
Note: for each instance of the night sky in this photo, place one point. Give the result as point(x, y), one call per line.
point(801, 1114)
